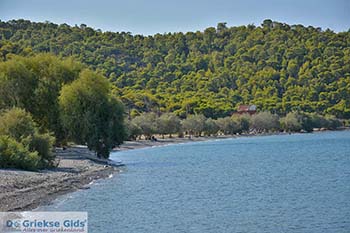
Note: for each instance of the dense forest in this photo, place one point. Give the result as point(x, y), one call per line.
point(278, 67)
point(61, 84)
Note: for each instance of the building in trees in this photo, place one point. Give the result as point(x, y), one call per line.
point(246, 109)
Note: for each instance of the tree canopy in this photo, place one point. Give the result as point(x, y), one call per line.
point(90, 114)
point(280, 68)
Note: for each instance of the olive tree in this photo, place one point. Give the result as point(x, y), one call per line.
point(210, 127)
point(194, 124)
point(227, 125)
point(291, 122)
point(265, 121)
point(169, 123)
point(147, 122)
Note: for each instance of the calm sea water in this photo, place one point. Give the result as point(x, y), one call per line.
point(292, 183)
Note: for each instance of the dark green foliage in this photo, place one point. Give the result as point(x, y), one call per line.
point(91, 115)
point(34, 84)
point(169, 123)
point(43, 144)
point(265, 121)
point(292, 122)
point(18, 125)
point(194, 124)
point(333, 123)
point(228, 126)
point(210, 127)
point(147, 123)
point(281, 68)
point(312, 120)
point(243, 122)
point(132, 130)
point(15, 155)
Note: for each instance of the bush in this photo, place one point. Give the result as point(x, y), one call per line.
point(18, 125)
point(194, 124)
point(227, 125)
point(147, 122)
point(15, 155)
point(132, 130)
point(265, 121)
point(41, 143)
point(210, 128)
point(292, 122)
point(243, 122)
point(168, 123)
point(313, 120)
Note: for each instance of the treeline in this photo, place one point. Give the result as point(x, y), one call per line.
point(280, 68)
point(45, 101)
point(149, 124)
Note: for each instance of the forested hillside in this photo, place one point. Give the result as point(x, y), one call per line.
point(278, 67)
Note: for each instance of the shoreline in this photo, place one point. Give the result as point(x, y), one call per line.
point(139, 144)
point(26, 190)
point(78, 167)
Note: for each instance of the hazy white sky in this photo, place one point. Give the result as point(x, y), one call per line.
point(159, 16)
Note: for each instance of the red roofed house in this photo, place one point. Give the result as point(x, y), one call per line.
point(246, 109)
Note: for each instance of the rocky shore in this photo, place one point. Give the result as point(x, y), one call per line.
point(25, 190)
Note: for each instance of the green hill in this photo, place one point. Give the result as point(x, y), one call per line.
point(278, 67)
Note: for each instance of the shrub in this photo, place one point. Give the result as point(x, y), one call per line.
point(227, 125)
point(291, 122)
point(243, 122)
point(42, 143)
point(168, 123)
point(194, 124)
point(147, 122)
point(211, 128)
point(132, 130)
point(18, 125)
point(333, 122)
point(265, 121)
point(15, 155)
point(313, 120)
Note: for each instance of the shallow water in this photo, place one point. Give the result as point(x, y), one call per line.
point(292, 183)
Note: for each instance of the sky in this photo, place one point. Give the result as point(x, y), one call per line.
point(149, 17)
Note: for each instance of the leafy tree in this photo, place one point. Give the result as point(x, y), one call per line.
point(280, 68)
point(227, 125)
point(291, 122)
point(13, 154)
point(333, 122)
point(147, 122)
point(194, 124)
point(169, 123)
point(243, 122)
point(210, 127)
point(265, 121)
point(18, 125)
point(91, 115)
point(34, 83)
point(132, 130)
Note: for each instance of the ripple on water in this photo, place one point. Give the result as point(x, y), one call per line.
point(292, 183)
